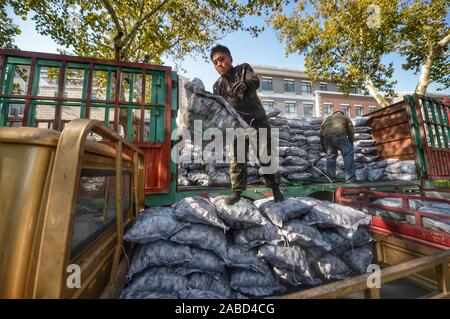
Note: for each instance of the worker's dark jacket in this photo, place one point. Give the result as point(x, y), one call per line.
point(337, 123)
point(251, 110)
point(248, 105)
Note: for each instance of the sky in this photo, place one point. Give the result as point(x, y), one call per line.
point(265, 50)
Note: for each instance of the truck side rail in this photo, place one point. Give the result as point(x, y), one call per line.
point(64, 180)
point(360, 283)
point(362, 198)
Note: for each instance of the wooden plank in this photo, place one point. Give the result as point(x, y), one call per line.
point(359, 283)
point(119, 214)
point(372, 293)
point(442, 278)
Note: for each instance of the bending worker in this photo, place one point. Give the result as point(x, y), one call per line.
point(238, 85)
point(336, 134)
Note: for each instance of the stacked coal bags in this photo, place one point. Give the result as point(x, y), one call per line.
point(204, 248)
point(211, 109)
point(301, 156)
point(294, 147)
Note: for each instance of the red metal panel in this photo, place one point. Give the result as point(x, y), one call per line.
point(156, 180)
point(347, 196)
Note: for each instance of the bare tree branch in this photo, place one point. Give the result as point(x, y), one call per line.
point(444, 41)
point(113, 14)
point(129, 38)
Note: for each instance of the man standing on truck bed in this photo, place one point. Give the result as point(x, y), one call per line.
point(336, 133)
point(238, 85)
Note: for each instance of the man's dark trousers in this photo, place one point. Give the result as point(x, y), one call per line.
point(333, 144)
point(239, 170)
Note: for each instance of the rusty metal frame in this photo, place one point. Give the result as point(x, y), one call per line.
point(57, 230)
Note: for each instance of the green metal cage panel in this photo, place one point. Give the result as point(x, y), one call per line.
point(134, 99)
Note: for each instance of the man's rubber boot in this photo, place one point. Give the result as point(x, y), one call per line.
point(233, 198)
point(277, 195)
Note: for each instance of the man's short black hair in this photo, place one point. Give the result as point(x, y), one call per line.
point(219, 48)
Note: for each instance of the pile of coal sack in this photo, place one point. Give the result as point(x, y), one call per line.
point(301, 157)
point(204, 248)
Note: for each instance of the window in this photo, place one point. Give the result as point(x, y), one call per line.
point(267, 104)
point(346, 109)
point(266, 84)
point(323, 86)
point(289, 86)
point(358, 110)
point(20, 75)
point(327, 109)
point(16, 110)
point(372, 108)
point(338, 88)
point(354, 90)
point(307, 110)
point(95, 208)
point(306, 87)
point(291, 108)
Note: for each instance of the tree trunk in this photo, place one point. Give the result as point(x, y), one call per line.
point(374, 92)
point(436, 49)
point(424, 80)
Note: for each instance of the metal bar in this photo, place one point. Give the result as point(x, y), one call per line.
point(62, 73)
point(119, 220)
point(443, 124)
point(67, 99)
point(423, 149)
point(10, 79)
point(106, 119)
point(117, 98)
point(29, 92)
point(143, 93)
point(435, 124)
point(416, 134)
point(129, 132)
point(8, 89)
point(131, 93)
point(76, 59)
point(154, 87)
point(2, 71)
point(444, 111)
point(88, 90)
point(108, 85)
point(429, 133)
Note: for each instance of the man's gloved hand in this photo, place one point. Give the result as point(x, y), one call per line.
point(238, 89)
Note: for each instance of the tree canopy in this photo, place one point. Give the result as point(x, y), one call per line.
point(349, 40)
point(138, 30)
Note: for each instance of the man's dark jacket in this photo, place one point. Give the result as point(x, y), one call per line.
point(248, 104)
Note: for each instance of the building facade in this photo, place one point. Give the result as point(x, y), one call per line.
point(296, 96)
